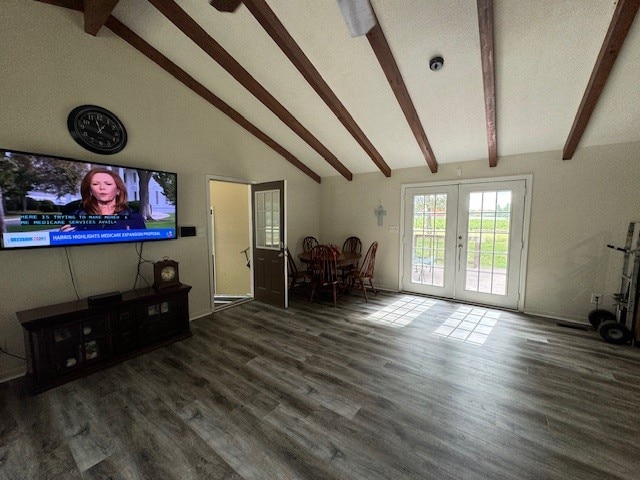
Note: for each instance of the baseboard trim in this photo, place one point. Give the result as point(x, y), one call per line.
point(235, 303)
point(198, 315)
point(551, 316)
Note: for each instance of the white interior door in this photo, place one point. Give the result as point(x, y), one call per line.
point(465, 241)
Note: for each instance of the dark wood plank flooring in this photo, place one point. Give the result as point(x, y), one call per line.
point(364, 391)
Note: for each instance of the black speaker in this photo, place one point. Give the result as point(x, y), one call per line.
point(187, 231)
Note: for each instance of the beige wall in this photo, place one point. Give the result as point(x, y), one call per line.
point(230, 203)
point(50, 66)
point(578, 206)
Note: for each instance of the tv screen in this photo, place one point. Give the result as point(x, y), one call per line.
point(48, 201)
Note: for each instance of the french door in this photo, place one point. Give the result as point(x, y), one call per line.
point(465, 241)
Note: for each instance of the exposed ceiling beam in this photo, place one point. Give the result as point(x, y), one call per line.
point(142, 46)
point(96, 13)
point(134, 40)
point(619, 27)
point(485, 23)
point(70, 4)
point(381, 48)
point(176, 15)
point(225, 5)
point(276, 30)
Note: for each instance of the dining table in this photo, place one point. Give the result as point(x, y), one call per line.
point(343, 259)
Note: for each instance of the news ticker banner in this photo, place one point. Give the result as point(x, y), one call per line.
point(57, 220)
point(43, 239)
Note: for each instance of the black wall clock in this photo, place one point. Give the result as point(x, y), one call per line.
point(97, 129)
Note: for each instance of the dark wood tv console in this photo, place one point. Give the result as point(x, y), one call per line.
point(70, 340)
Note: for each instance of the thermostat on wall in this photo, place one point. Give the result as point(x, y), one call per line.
point(187, 231)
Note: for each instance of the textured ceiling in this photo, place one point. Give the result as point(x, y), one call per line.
point(544, 54)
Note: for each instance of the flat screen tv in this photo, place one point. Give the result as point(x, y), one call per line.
point(48, 201)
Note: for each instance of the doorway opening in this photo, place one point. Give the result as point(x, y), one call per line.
point(230, 242)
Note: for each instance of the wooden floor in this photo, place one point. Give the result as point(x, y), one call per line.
point(384, 390)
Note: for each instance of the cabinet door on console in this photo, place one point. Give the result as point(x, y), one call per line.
point(125, 331)
point(160, 319)
point(170, 322)
point(74, 344)
point(96, 341)
point(66, 351)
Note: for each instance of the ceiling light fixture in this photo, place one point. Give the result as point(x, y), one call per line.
point(436, 63)
point(359, 16)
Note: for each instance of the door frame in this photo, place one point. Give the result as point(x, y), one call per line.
point(210, 233)
point(528, 179)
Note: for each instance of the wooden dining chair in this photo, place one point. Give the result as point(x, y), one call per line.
point(366, 272)
point(295, 276)
point(324, 272)
point(354, 245)
point(308, 243)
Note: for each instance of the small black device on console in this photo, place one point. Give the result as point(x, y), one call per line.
point(104, 298)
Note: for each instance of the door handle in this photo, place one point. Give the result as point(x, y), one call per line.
point(459, 255)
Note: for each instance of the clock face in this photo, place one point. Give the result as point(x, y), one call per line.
point(167, 273)
point(97, 129)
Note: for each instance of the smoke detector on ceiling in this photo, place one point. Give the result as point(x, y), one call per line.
point(436, 63)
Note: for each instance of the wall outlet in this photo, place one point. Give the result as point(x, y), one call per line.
point(394, 229)
point(596, 298)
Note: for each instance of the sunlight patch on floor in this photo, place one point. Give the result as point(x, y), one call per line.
point(402, 312)
point(469, 324)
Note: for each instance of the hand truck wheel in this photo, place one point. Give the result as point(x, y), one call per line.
point(599, 315)
point(614, 332)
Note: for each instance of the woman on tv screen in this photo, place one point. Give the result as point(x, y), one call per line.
point(104, 193)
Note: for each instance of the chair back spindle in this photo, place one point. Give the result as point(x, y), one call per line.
point(295, 276)
point(324, 271)
point(352, 244)
point(366, 271)
point(308, 243)
point(369, 263)
point(291, 264)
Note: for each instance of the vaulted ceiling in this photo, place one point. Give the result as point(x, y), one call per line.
point(518, 76)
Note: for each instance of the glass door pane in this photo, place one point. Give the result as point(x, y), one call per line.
point(488, 230)
point(429, 227)
point(267, 219)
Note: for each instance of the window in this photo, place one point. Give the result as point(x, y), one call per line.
point(267, 218)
